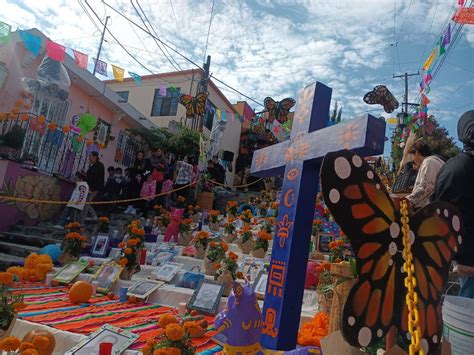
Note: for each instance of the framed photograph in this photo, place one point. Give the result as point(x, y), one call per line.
point(206, 297)
point(144, 288)
point(260, 284)
point(167, 271)
point(107, 275)
point(162, 257)
point(100, 245)
point(121, 340)
point(115, 253)
point(70, 271)
point(322, 241)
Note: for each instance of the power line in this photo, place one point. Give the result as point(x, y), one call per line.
point(429, 31)
point(174, 16)
point(237, 91)
point(208, 30)
point(403, 22)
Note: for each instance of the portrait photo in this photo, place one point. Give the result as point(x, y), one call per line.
point(260, 284)
point(206, 297)
point(69, 272)
point(167, 271)
point(107, 275)
point(144, 288)
point(100, 245)
point(322, 241)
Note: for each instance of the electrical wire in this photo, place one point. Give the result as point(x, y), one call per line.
point(208, 30)
point(404, 20)
point(89, 16)
point(174, 16)
point(429, 32)
point(230, 87)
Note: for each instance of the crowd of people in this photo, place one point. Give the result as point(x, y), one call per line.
point(141, 183)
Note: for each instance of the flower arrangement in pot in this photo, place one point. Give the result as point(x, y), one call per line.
point(227, 271)
point(232, 208)
point(73, 243)
point(103, 226)
point(214, 218)
point(261, 245)
point(201, 241)
point(185, 235)
point(194, 213)
point(268, 224)
point(246, 217)
point(10, 303)
point(229, 230)
point(215, 253)
point(131, 250)
point(262, 209)
point(246, 242)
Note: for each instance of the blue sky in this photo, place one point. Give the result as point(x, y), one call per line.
point(274, 48)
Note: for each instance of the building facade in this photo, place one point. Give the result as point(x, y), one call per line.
point(157, 98)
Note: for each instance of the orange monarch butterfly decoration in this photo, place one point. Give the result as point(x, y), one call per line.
point(278, 110)
point(195, 106)
point(361, 206)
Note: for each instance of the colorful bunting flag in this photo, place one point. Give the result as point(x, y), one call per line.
point(55, 51)
point(392, 120)
point(136, 77)
point(441, 48)
point(447, 36)
point(162, 91)
point(464, 15)
point(81, 59)
point(119, 73)
point(461, 2)
point(224, 116)
point(429, 60)
point(100, 66)
point(428, 77)
point(5, 30)
point(424, 100)
point(218, 114)
point(32, 42)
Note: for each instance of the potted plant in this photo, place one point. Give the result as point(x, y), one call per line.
point(205, 196)
point(10, 304)
point(215, 253)
point(185, 235)
point(103, 226)
point(232, 208)
point(262, 209)
point(261, 245)
point(229, 230)
point(324, 287)
point(246, 242)
point(194, 213)
point(246, 217)
point(268, 224)
point(227, 271)
point(132, 250)
point(73, 243)
point(214, 218)
point(200, 243)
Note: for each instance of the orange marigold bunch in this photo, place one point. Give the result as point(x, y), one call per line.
point(167, 319)
point(174, 332)
point(10, 344)
point(311, 333)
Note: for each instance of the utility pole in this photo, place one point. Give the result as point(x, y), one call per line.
point(100, 45)
point(406, 103)
point(204, 85)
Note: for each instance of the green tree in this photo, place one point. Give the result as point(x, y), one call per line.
point(185, 142)
point(333, 117)
point(339, 115)
point(154, 137)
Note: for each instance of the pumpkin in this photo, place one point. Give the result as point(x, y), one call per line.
point(30, 336)
point(80, 292)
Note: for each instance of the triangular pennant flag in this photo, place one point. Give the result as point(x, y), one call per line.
point(428, 77)
point(55, 51)
point(424, 100)
point(136, 77)
point(81, 59)
point(461, 2)
point(119, 73)
point(464, 15)
point(224, 116)
point(218, 114)
point(392, 120)
point(5, 30)
point(441, 48)
point(447, 35)
point(100, 66)
point(162, 91)
point(32, 42)
point(429, 60)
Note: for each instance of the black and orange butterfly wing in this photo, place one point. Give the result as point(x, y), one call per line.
point(363, 209)
point(200, 106)
point(270, 106)
point(436, 234)
point(187, 102)
point(283, 109)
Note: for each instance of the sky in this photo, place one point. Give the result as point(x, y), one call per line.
point(275, 48)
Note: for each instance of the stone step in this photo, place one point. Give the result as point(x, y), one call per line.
point(9, 260)
point(39, 231)
point(19, 250)
point(29, 239)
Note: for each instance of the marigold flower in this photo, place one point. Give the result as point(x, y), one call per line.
point(19, 306)
point(217, 266)
point(132, 242)
point(192, 328)
point(167, 351)
point(103, 219)
point(122, 245)
point(231, 220)
point(123, 261)
point(332, 245)
point(239, 275)
point(66, 129)
point(233, 256)
point(212, 244)
point(41, 342)
point(10, 344)
point(166, 319)
point(30, 352)
point(203, 235)
point(135, 230)
point(340, 243)
point(141, 232)
point(174, 332)
point(225, 246)
point(128, 251)
point(25, 345)
point(6, 278)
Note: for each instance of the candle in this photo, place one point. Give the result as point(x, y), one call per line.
point(182, 308)
point(49, 278)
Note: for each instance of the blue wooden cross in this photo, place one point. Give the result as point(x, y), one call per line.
point(300, 159)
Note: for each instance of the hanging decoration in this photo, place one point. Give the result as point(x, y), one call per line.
point(429, 60)
point(136, 77)
point(5, 30)
point(100, 66)
point(32, 42)
point(87, 123)
point(278, 110)
point(464, 15)
point(119, 73)
point(55, 51)
point(162, 91)
point(382, 96)
point(195, 106)
point(81, 59)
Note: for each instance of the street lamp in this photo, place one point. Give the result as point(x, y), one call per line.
point(401, 120)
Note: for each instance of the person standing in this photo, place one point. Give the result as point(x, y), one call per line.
point(160, 165)
point(220, 176)
point(428, 167)
point(95, 179)
point(184, 177)
point(455, 185)
point(76, 203)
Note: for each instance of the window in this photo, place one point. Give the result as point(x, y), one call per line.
point(165, 105)
point(123, 95)
point(209, 115)
point(127, 148)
